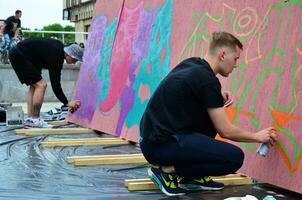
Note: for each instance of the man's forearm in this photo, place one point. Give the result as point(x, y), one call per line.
point(236, 134)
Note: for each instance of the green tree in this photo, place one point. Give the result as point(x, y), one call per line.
point(54, 27)
point(31, 35)
point(68, 38)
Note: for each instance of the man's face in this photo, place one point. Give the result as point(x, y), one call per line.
point(70, 60)
point(19, 15)
point(228, 60)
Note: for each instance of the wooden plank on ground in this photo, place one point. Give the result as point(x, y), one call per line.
point(235, 180)
point(50, 131)
point(127, 181)
point(57, 122)
point(107, 159)
point(82, 142)
point(70, 159)
point(138, 180)
point(147, 184)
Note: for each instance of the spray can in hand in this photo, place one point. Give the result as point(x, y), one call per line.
point(75, 105)
point(72, 110)
point(263, 149)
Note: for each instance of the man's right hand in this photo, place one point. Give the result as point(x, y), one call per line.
point(74, 104)
point(267, 135)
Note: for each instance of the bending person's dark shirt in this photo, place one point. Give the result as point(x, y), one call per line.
point(48, 54)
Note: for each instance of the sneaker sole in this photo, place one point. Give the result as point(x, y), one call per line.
point(159, 185)
point(193, 187)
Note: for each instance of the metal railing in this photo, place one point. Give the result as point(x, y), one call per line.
point(79, 37)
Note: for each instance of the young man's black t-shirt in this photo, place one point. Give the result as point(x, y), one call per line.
point(48, 54)
point(179, 104)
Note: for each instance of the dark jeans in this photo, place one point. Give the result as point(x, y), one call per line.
point(194, 155)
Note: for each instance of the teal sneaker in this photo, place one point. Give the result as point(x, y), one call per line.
point(205, 183)
point(166, 182)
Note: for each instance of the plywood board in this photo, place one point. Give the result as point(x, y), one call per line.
point(132, 46)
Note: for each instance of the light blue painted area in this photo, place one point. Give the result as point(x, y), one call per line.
point(103, 72)
point(159, 41)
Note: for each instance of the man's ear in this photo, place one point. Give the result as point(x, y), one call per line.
point(221, 55)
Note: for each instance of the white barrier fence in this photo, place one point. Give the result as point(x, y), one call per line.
point(81, 35)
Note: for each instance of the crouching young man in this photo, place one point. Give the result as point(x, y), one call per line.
point(184, 115)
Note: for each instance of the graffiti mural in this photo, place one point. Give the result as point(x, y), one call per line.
point(132, 46)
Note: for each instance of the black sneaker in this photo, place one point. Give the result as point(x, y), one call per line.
point(205, 183)
point(166, 182)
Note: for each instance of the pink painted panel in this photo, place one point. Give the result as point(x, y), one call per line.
point(133, 44)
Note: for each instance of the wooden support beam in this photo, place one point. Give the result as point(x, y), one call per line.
point(110, 161)
point(70, 159)
point(50, 131)
point(82, 142)
point(147, 184)
point(127, 181)
point(107, 159)
point(57, 122)
point(138, 180)
point(235, 180)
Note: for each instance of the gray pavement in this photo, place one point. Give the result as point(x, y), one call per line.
point(46, 106)
point(11, 90)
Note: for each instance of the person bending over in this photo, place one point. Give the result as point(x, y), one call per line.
point(183, 116)
point(28, 58)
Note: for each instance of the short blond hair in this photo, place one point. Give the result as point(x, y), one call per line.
point(224, 39)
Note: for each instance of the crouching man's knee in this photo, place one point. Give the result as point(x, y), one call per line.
point(237, 162)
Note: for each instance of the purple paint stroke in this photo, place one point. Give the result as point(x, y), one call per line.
point(88, 85)
point(140, 47)
point(126, 100)
point(141, 40)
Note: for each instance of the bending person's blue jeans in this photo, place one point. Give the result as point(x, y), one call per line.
point(194, 155)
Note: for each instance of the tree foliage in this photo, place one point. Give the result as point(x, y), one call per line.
point(68, 38)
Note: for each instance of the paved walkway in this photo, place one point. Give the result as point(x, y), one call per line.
point(45, 107)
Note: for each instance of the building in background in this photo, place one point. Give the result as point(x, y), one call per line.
point(80, 12)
